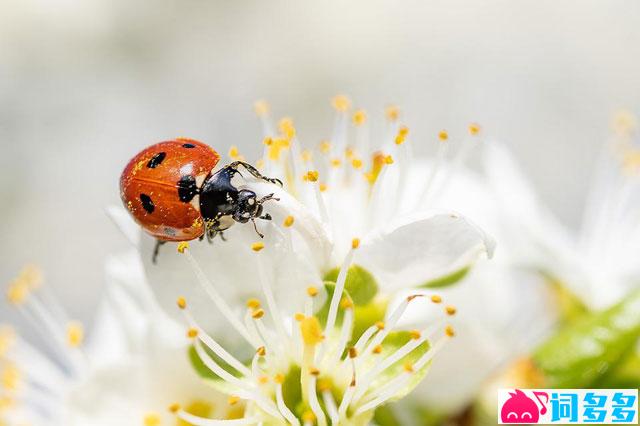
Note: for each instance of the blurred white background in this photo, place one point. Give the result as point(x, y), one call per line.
point(85, 84)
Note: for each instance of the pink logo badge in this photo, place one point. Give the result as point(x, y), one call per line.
point(519, 408)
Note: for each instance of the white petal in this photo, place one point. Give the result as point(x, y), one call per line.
point(125, 223)
point(419, 250)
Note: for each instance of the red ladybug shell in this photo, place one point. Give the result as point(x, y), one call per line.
point(159, 188)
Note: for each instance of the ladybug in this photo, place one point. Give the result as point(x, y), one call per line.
point(172, 191)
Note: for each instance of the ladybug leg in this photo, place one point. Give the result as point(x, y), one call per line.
point(266, 216)
point(254, 172)
point(256, 228)
point(222, 237)
point(156, 250)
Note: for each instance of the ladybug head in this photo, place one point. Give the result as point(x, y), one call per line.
point(247, 206)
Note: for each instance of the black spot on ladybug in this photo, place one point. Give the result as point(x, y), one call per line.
point(147, 203)
point(188, 145)
point(156, 160)
point(187, 188)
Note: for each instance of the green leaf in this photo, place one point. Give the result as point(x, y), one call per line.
point(392, 343)
point(570, 305)
point(625, 376)
point(447, 280)
point(585, 351)
point(360, 283)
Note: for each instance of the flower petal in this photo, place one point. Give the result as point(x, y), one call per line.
point(421, 250)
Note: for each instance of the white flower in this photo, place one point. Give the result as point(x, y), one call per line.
point(599, 262)
point(353, 218)
point(132, 366)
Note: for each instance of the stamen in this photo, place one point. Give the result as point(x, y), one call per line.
point(437, 166)
point(253, 303)
point(339, 288)
point(75, 334)
point(341, 103)
point(436, 299)
point(392, 113)
point(312, 291)
point(359, 117)
point(329, 403)
point(196, 331)
point(288, 221)
point(474, 129)
point(233, 400)
point(257, 246)
point(311, 331)
point(151, 419)
point(451, 310)
point(218, 300)
point(286, 412)
point(314, 403)
point(325, 147)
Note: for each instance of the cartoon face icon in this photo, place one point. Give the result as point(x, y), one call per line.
point(519, 408)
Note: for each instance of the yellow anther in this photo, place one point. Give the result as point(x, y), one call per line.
point(443, 135)
point(257, 314)
point(324, 385)
point(392, 113)
point(192, 333)
point(380, 325)
point(341, 103)
point(234, 153)
point(151, 419)
point(355, 243)
point(474, 129)
point(377, 349)
point(299, 316)
point(261, 108)
point(408, 367)
point(174, 408)
point(306, 155)
point(75, 334)
point(403, 131)
point(7, 339)
point(388, 159)
point(346, 303)
point(233, 400)
point(349, 152)
point(323, 187)
point(312, 176)
point(308, 417)
point(312, 291)
point(356, 163)
point(359, 117)
point(17, 292)
point(261, 351)
point(335, 162)
point(182, 246)
point(263, 380)
point(181, 302)
point(31, 275)
point(257, 246)
point(353, 352)
point(279, 378)
point(436, 299)
point(449, 331)
point(325, 147)
point(285, 125)
point(624, 122)
point(253, 303)
point(10, 378)
point(415, 334)
point(275, 148)
point(311, 331)
point(314, 371)
point(288, 221)
point(267, 141)
point(451, 310)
